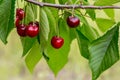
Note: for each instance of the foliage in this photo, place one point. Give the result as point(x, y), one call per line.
point(99, 45)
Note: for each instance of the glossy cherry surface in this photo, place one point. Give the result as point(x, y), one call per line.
point(21, 30)
point(20, 13)
point(32, 30)
point(73, 21)
point(17, 21)
point(57, 42)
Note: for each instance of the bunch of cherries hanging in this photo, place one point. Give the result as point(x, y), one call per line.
point(32, 29)
point(23, 30)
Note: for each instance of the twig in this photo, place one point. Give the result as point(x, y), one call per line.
point(71, 6)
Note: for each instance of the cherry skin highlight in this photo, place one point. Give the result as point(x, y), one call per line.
point(20, 13)
point(73, 21)
point(21, 30)
point(57, 42)
point(32, 30)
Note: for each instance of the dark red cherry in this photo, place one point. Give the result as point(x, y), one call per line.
point(17, 21)
point(20, 13)
point(32, 30)
point(21, 30)
point(73, 21)
point(57, 42)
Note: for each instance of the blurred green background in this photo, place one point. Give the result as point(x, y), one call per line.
point(12, 66)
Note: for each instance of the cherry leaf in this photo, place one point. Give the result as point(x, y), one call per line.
point(106, 2)
point(33, 57)
point(83, 43)
point(104, 24)
point(6, 18)
point(104, 52)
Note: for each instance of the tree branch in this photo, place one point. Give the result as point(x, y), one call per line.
point(41, 4)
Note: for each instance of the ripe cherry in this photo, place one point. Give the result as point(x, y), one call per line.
point(57, 42)
point(17, 21)
point(20, 13)
point(32, 29)
point(21, 30)
point(73, 21)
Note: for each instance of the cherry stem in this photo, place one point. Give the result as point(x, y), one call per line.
point(33, 12)
point(25, 11)
point(73, 10)
point(57, 29)
point(18, 4)
point(23, 22)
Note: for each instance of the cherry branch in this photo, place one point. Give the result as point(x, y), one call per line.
point(41, 4)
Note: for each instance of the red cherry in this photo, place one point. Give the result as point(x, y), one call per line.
point(32, 30)
point(57, 42)
point(21, 30)
point(17, 21)
point(20, 13)
point(73, 21)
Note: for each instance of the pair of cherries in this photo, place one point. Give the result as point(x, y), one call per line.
point(57, 42)
point(31, 30)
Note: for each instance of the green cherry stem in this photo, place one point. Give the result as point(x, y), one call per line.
point(73, 10)
point(33, 12)
point(23, 22)
point(18, 4)
point(57, 29)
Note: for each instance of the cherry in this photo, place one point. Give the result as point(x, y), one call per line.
point(20, 13)
point(73, 21)
point(21, 30)
point(32, 29)
point(57, 42)
point(17, 21)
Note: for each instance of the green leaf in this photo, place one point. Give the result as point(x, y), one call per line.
point(96, 32)
point(110, 13)
point(27, 44)
point(83, 43)
point(7, 9)
point(86, 0)
point(33, 57)
point(91, 13)
point(104, 24)
point(106, 2)
point(59, 57)
point(44, 28)
point(29, 14)
point(51, 19)
point(86, 29)
point(104, 52)
point(49, 1)
point(72, 34)
point(33, 9)
point(83, 20)
point(62, 1)
point(88, 32)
